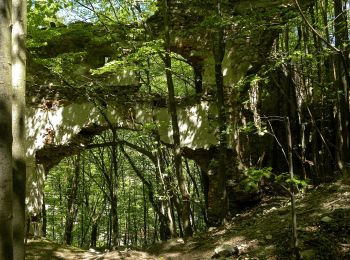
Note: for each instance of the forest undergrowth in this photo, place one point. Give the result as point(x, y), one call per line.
point(261, 232)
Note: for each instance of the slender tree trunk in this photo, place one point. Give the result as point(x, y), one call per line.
point(114, 221)
point(114, 196)
point(342, 83)
point(292, 190)
point(202, 207)
point(167, 221)
point(53, 224)
point(185, 196)
point(6, 235)
point(72, 207)
point(93, 236)
point(128, 219)
point(324, 11)
point(169, 226)
point(159, 208)
point(155, 238)
point(145, 215)
point(44, 215)
point(165, 212)
point(135, 224)
point(217, 194)
point(19, 10)
point(198, 78)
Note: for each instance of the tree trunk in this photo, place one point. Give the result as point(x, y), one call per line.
point(114, 186)
point(198, 78)
point(202, 207)
point(145, 215)
point(185, 196)
point(72, 207)
point(93, 237)
point(44, 215)
point(292, 190)
point(167, 190)
point(19, 10)
point(342, 84)
point(6, 235)
point(217, 195)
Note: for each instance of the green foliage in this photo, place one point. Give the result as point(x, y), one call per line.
point(248, 128)
point(284, 179)
point(254, 128)
point(215, 21)
point(42, 13)
point(62, 62)
point(254, 176)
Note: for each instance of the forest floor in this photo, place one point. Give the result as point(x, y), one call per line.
point(262, 232)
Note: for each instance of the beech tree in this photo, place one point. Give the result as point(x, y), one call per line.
point(19, 24)
point(6, 235)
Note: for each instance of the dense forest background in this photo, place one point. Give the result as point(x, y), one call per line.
point(271, 79)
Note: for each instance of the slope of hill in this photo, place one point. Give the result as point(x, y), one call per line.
point(262, 232)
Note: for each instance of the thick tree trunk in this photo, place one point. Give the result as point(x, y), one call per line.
point(19, 10)
point(6, 235)
point(185, 196)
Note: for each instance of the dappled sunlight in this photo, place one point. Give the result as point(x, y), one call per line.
point(70, 254)
point(152, 122)
point(336, 202)
point(35, 185)
point(58, 126)
point(173, 255)
point(194, 126)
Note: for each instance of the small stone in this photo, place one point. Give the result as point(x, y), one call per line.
point(242, 249)
point(211, 229)
point(180, 240)
point(225, 251)
point(326, 219)
point(268, 237)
